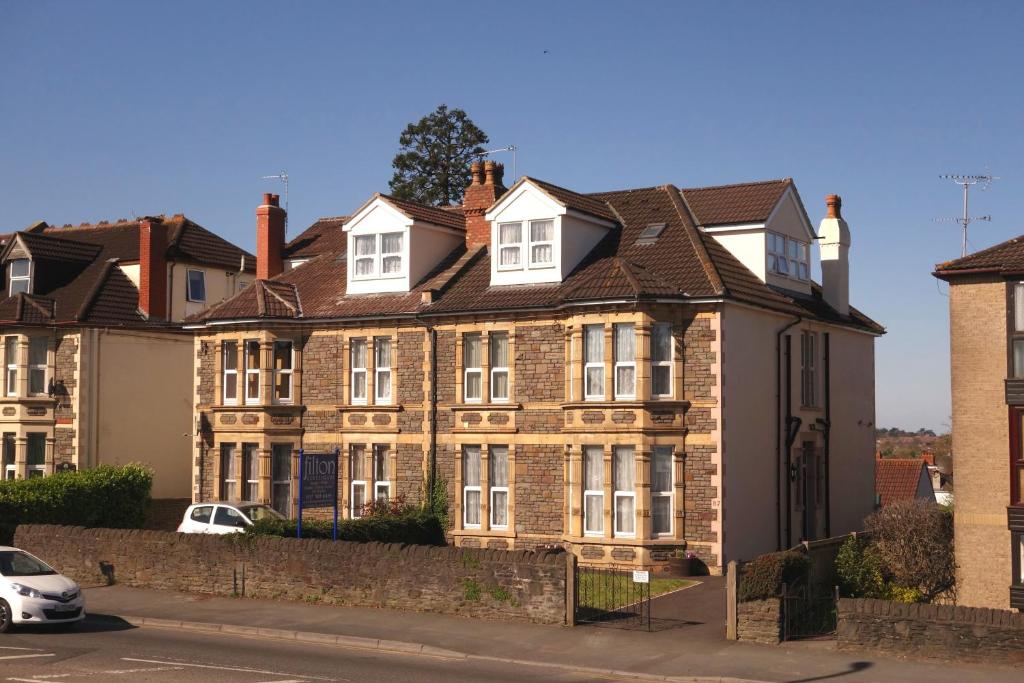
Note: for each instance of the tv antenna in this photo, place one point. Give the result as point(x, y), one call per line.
point(966, 182)
point(283, 177)
point(510, 148)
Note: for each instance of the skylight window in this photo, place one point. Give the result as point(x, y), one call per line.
point(650, 234)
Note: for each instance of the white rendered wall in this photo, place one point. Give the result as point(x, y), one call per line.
point(378, 217)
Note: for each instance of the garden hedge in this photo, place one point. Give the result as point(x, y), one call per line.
point(106, 496)
point(762, 578)
point(415, 528)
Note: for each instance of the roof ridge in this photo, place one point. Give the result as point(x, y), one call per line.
point(630, 276)
point(689, 220)
point(622, 191)
point(751, 183)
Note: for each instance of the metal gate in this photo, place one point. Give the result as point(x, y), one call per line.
point(610, 597)
point(808, 611)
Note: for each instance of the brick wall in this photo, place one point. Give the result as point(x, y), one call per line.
point(540, 363)
point(493, 584)
point(980, 438)
point(946, 631)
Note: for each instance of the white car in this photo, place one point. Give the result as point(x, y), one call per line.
point(32, 592)
point(224, 518)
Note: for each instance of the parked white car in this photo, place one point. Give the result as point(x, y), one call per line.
point(33, 592)
point(224, 518)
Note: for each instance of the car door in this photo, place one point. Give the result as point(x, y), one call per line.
point(199, 520)
point(227, 520)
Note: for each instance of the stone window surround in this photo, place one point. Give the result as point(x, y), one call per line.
point(266, 339)
point(21, 432)
point(22, 372)
point(484, 529)
point(643, 325)
point(369, 334)
point(643, 452)
point(484, 331)
point(263, 451)
point(345, 469)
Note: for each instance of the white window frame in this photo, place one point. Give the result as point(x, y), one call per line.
point(378, 256)
point(787, 256)
point(26, 278)
point(11, 361)
point(593, 493)
point(189, 295)
point(588, 395)
point(357, 371)
point(284, 372)
point(618, 493)
point(226, 371)
point(497, 370)
point(251, 471)
point(34, 467)
point(357, 454)
point(34, 368)
point(659, 494)
point(372, 258)
point(539, 243)
point(492, 489)
point(663, 363)
point(381, 457)
point(475, 371)
point(252, 400)
point(623, 364)
point(475, 488)
point(391, 254)
point(518, 246)
point(380, 371)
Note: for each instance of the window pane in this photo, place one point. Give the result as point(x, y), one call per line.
point(391, 265)
point(36, 447)
point(499, 508)
point(499, 350)
point(358, 353)
point(625, 343)
point(19, 267)
point(661, 342)
point(542, 231)
point(472, 507)
point(281, 457)
point(661, 470)
point(625, 471)
point(391, 243)
point(252, 355)
point(364, 266)
point(358, 462)
point(595, 381)
point(283, 386)
point(661, 380)
point(471, 466)
point(593, 343)
point(473, 385)
point(541, 253)
point(1018, 307)
point(1018, 357)
point(383, 385)
point(359, 385)
point(230, 356)
point(358, 499)
point(510, 233)
point(380, 463)
point(196, 285)
point(499, 384)
point(625, 516)
point(8, 448)
point(625, 381)
point(366, 245)
point(510, 256)
point(498, 461)
point(593, 468)
point(471, 350)
point(37, 350)
point(18, 286)
point(382, 352)
point(282, 355)
point(252, 385)
point(593, 513)
point(661, 513)
point(36, 381)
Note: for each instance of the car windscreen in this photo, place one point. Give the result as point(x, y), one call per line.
point(258, 512)
point(17, 563)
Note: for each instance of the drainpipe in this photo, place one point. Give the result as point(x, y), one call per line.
point(778, 433)
point(826, 428)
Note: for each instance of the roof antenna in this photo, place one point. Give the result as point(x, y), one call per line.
point(510, 148)
point(966, 181)
point(283, 177)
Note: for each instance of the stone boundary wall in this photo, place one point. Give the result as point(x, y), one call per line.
point(947, 631)
point(759, 621)
point(492, 584)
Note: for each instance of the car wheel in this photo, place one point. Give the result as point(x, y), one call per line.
point(6, 620)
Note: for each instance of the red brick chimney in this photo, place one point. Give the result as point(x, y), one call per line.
point(153, 268)
point(485, 188)
point(269, 237)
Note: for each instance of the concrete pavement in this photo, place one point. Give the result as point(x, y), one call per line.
point(690, 645)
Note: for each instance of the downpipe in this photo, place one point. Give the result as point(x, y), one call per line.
point(778, 432)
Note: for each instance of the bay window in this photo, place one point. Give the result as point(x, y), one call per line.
point(593, 362)
point(229, 355)
point(252, 371)
point(471, 487)
point(228, 471)
point(661, 360)
point(542, 243)
point(9, 467)
point(593, 490)
point(283, 364)
point(357, 474)
point(382, 369)
point(11, 363)
point(35, 445)
point(357, 353)
point(499, 366)
point(281, 478)
point(510, 246)
point(498, 484)
point(471, 361)
point(381, 480)
point(625, 360)
point(623, 479)
point(251, 471)
point(37, 365)
point(661, 490)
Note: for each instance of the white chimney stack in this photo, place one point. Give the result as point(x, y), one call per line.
point(834, 239)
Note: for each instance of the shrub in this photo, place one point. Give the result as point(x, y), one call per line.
point(106, 496)
point(763, 577)
point(414, 527)
point(859, 570)
point(914, 543)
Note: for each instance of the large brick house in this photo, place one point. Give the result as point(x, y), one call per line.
point(623, 373)
point(986, 334)
point(96, 364)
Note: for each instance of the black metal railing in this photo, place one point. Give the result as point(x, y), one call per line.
point(611, 597)
point(808, 610)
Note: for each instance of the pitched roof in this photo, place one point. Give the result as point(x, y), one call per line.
point(1005, 258)
point(899, 479)
point(324, 235)
point(682, 262)
point(573, 200)
point(429, 214)
point(740, 203)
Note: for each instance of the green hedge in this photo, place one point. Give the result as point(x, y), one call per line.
point(107, 496)
point(762, 578)
point(416, 528)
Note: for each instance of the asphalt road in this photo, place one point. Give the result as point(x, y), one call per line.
point(107, 650)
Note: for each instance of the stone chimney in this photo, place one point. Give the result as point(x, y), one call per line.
point(269, 237)
point(834, 239)
point(153, 268)
point(484, 189)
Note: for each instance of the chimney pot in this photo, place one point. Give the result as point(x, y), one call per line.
point(267, 198)
point(833, 206)
point(479, 197)
point(488, 172)
point(476, 173)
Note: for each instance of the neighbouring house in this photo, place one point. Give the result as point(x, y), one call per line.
point(625, 374)
point(898, 479)
point(96, 365)
point(986, 334)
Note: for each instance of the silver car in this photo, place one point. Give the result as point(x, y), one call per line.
point(224, 517)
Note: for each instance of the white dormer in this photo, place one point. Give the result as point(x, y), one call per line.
point(538, 236)
point(777, 250)
point(390, 249)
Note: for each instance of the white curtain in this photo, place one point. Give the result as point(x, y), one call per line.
point(593, 344)
point(510, 234)
point(499, 465)
point(499, 350)
point(391, 243)
point(471, 466)
point(382, 348)
point(358, 354)
point(471, 356)
point(358, 463)
point(366, 245)
point(542, 231)
point(593, 469)
point(625, 343)
point(625, 470)
point(661, 474)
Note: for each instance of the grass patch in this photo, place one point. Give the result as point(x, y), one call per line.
point(607, 592)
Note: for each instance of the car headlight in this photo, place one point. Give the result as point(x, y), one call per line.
point(26, 591)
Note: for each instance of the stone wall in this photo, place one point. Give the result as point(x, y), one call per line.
point(759, 621)
point(700, 497)
point(492, 584)
point(946, 631)
point(698, 357)
point(539, 469)
point(540, 363)
point(410, 368)
point(321, 371)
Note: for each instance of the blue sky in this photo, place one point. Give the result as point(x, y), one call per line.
point(114, 109)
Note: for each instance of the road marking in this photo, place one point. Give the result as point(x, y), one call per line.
point(227, 668)
point(31, 649)
point(293, 680)
point(50, 654)
point(146, 670)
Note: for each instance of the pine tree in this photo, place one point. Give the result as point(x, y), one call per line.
point(432, 165)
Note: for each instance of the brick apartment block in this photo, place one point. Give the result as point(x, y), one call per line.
point(625, 374)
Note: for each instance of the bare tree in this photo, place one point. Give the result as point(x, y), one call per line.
point(914, 541)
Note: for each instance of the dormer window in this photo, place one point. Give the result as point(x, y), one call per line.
point(540, 247)
point(380, 253)
point(21, 276)
point(788, 257)
point(510, 246)
point(542, 250)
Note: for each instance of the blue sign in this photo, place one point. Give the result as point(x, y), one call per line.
point(318, 484)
